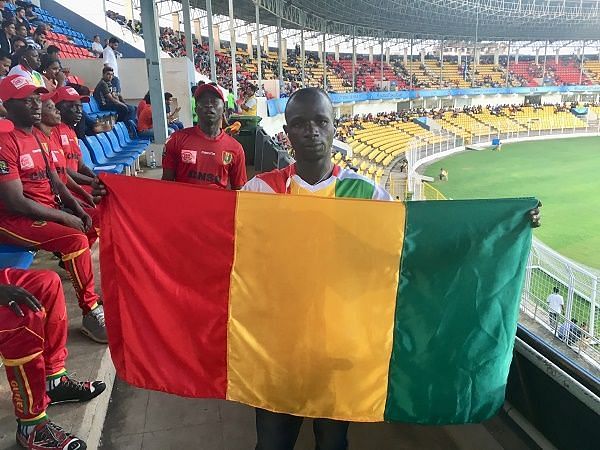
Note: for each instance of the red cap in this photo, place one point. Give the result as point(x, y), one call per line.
point(65, 94)
point(208, 88)
point(6, 126)
point(16, 86)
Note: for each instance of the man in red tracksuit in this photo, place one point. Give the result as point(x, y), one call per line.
point(33, 335)
point(31, 196)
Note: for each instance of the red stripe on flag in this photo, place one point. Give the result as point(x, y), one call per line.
point(165, 283)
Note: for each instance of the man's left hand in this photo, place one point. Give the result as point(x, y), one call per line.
point(87, 221)
point(535, 216)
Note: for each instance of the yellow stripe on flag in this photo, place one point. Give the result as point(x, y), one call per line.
point(310, 351)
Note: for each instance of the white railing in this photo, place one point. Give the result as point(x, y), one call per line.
point(579, 324)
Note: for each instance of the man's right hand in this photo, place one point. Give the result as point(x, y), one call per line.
point(14, 296)
point(69, 220)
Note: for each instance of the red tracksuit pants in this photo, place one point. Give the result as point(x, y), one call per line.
point(73, 245)
point(33, 346)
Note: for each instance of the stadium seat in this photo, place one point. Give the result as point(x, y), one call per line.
point(121, 157)
point(112, 168)
point(123, 135)
point(99, 157)
point(15, 257)
point(131, 149)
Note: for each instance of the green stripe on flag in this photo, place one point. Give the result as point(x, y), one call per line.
point(462, 270)
point(354, 188)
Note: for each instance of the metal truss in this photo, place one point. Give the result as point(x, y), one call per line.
point(430, 19)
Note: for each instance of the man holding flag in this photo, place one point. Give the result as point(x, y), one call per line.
point(310, 128)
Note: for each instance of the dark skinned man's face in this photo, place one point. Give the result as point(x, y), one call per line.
point(310, 127)
point(209, 108)
point(71, 112)
point(25, 112)
point(32, 58)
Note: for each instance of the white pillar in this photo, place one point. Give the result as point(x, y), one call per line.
point(405, 56)
point(187, 27)
point(217, 36)
point(128, 6)
point(422, 56)
point(258, 52)
point(279, 53)
point(175, 20)
point(371, 54)
point(284, 48)
point(325, 62)
point(337, 52)
point(249, 45)
point(516, 55)
point(266, 45)
point(198, 30)
point(233, 45)
point(557, 55)
point(537, 55)
point(211, 42)
point(497, 56)
point(387, 55)
point(459, 53)
point(154, 71)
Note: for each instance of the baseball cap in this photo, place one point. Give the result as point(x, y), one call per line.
point(6, 126)
point(65, 94)
point(208, 88)
point(16, 86)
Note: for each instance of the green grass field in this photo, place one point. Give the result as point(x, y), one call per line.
point(563, 173)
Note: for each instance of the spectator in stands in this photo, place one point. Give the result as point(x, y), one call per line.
point(230, 103)
point(6, 36)
point(555, 304)
point(39, 38)
point(17, 44)
point(172, 116)
point(35, 368)
point(110, 60)
point(53, 52)
point(68, 101)
point(5, 63)
point(193, 103)
point(97, 49)
point(36, 209)
point(28, 62)
point(145, 127)
point(21, 19)
point(109, 98)
point(6, 14)
point(22, 32)
point(52, 75)
point(205, 154)
point(248, 105)
point(31, 17)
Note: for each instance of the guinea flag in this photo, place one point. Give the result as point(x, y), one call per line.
point(348, 309)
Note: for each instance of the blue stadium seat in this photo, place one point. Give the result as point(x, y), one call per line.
point(16, 257)
point(111, 168)
point(123, 135)
point(127, 158)
point(133, 150)
point(98, 156)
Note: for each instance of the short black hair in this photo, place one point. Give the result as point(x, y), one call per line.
point(114, 40)
point(20, 25)
point(52, 49)
point(555, 290)
point(46, 61)
point(6, 23)
point(107, 69)
point(20, 8)
point(4, 54)
point(168, 95)
point(307, 92)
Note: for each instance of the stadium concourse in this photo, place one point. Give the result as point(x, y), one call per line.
point(411, 82)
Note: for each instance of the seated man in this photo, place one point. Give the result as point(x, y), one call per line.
point(33, 337)
point(110, 100)
point(36, 208)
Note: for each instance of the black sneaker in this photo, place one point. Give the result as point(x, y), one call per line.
point(49, 436)
point(69, 390)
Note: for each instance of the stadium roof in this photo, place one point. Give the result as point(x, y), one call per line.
point(429, 19)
